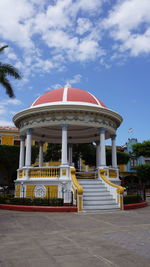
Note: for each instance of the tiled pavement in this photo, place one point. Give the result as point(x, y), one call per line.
point(120, 238)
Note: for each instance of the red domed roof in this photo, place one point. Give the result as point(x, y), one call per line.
point(66, 95)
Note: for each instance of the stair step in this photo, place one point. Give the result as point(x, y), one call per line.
point(100, 207)
point(104, 210)
point(95, 190)
point(99, 202)
point(85, 182)
point(96, 197)
point(93, 186)
point(99, 197)
point(95, 193)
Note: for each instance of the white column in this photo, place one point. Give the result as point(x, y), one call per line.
point(28, 148)
point(40, 154)
point(21, 156)
point(70, 154)
point(102, 155)
point(64, 160)
point(114, 151)
point(97, 154)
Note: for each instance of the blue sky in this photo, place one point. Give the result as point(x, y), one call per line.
point(101, 46)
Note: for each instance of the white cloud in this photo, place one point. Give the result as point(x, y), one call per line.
point(55, 86)
point(75, 79)
point(50, 34)
point(2, 110)
point(14, 25)
point(83, 25)
point(13, 101)
point(6, 123)
point(129, 23)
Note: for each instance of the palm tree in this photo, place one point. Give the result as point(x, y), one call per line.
point(7, 69)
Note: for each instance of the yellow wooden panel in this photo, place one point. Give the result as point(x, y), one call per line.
point(17, 190)
point(30, 191)
point(51, 191)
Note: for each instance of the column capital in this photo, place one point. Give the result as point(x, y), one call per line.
point(64, 126)
point(102, 130)
point(29, 131)
point(113, 137)
point(22, 138)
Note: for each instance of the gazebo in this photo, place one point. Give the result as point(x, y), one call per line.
point(68, 116)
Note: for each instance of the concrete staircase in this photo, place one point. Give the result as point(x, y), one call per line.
point(95, 196)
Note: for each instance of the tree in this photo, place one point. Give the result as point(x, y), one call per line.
point(9, 162)
point(143, 173)
point(7, 70)
point(53, 152)
point(86, 151)
point(122, 157)
point(142, 149)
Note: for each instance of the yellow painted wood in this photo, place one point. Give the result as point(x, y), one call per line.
point(30, 191)
point(112, 174)
point(119, 189)
point(17, 190)
point(46, 172)
point(51, 191)
point(78, 189)
point(7, 140)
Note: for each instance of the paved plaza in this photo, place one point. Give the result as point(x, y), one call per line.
point(120, 238)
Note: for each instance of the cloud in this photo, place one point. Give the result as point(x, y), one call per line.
point(129, 25)
point(17, 28)
point(2, 110)
point(51, 34)
point(6, 123)
point(75, 79)
point(84, 25)
point(57, 26)
point(13, 101)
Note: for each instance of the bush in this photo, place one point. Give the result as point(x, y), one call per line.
point(32, 202)
point(131, 199)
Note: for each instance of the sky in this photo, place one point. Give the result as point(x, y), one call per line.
point(101, 46)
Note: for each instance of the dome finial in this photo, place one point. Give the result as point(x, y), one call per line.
point(67, 85)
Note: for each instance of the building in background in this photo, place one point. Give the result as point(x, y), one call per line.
point(9, 136)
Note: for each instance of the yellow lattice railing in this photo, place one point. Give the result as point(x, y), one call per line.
point(21, 173)
point(44, 172)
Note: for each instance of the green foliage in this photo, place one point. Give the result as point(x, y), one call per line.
point(9, 161)
point(122, 157)
point(142, 149)
point(143, 172)
point(87, 153)
point(7, 70)
point(53, 152)
point(32, 201)
point(34, 153)
point(131, 199)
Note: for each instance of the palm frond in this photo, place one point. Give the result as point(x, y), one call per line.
point(8, 69)
point(6, 84)
point(3, 47)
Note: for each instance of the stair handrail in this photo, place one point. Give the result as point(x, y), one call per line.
point(78, 190)
point(117, 190)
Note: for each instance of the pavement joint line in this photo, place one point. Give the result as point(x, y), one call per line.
point(105, 260)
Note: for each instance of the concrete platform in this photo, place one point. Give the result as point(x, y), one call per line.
point(118, 238)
